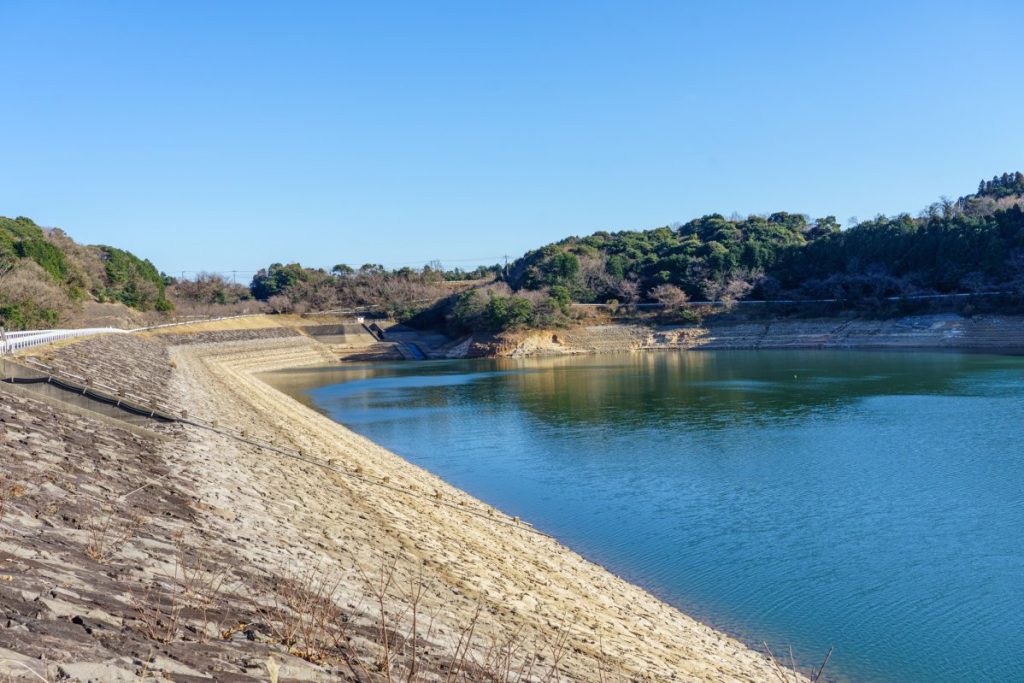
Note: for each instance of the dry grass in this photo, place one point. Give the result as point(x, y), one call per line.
point(108, 531)
point(398, 641)
point(190, 600)
point(790, 672)
point(9, 490)
point(159, 612)
point(254, 322)
point(303, 615)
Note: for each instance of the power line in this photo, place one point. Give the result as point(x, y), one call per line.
point(481, 260)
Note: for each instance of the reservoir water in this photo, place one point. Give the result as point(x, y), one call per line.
point(869, 501)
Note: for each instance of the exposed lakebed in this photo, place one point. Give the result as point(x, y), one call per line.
point(871, 501)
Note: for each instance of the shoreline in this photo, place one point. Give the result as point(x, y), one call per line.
point(999, 334)
point(231, 501)
point(656, 592)
point(588, 556)
point(704, 653)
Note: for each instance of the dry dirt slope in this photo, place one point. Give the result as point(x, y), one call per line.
point(195, 555)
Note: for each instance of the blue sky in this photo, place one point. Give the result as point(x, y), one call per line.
point(226, 135)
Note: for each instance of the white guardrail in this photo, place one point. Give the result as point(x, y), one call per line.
point(15, 341)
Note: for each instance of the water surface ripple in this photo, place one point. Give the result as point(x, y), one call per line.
point(871, 501)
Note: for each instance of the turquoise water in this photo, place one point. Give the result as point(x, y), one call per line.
point(870, 501)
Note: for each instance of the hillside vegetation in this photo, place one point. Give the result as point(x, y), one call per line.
point(45, 276)
point(969, 245)
point(972, 245)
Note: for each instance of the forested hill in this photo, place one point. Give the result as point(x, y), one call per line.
point(973, 244)
point(45, 276)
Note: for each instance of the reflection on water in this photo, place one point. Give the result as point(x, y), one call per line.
point(868, 500)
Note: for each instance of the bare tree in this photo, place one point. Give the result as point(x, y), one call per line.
point(670, 296)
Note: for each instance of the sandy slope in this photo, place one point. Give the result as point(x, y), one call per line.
point(289, 515)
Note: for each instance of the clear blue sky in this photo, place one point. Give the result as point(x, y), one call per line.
point(226, 135)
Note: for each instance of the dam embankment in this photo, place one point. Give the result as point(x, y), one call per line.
point(265, 530)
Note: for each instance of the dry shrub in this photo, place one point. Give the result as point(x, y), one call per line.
point(191, 598)
point(27, 284)
point(209, 288)
point(8, 491)
point(790, 673)
point(279, 303)
point(669, 296)
point(627, 291)
point(159, 611)
point(108, 531)
point(202, 585)
point(86, 269)
point(302, 613)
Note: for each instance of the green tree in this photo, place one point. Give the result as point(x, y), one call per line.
point(562, 298)
point(276, 280)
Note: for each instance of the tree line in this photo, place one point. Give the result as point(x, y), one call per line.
point(970, 245)
point(974, 244)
